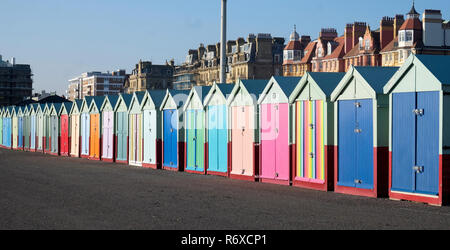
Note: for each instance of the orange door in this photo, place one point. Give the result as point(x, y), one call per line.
point(94, 147)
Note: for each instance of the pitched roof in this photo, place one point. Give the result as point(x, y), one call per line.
point(127, 99)
point(327, 80)
point(377, 77)
point(438, 65)
point(157, 96)
point(412, 24)
point(309, 52)
point(287, 84)
point(67, 106)
point(113, 99)
point(225, 88)
point(294, 45)
point(255, 87)
point(98, 101)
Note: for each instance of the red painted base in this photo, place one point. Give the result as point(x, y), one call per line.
point(85, 156)
point(277, 182)
point(217, 173)
point(170, 169)
point(195, 172)
point(107, 160)
point(310, 185)
point(243, 178)
point(152, 166)
point(94, 158)
point(122, 162)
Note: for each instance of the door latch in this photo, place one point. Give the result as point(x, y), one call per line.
point(276, 175)
point(311, 126)
point(357, 104)
point(358, 181)
point(418, 169)
point(243, 171)
point(418, 112)
point(358, 130)
point(311, 155)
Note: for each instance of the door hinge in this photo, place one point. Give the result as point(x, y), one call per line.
point(418, 112)
point(418, 169)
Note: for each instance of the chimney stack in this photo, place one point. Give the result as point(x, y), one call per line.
point(359, 29)
point(348, 36)
point(398, 22)
point(386, 31)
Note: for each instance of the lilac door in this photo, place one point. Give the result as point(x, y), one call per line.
point(108, 139)
point(275, 141)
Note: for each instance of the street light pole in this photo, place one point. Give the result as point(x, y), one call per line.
point(223, 41)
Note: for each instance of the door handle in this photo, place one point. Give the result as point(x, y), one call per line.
point(418, 169)
point(418, 112)
point(357, 130)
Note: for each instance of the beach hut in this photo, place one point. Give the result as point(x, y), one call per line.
point(419, 134)
point(173, 129)
point(20, 127)
point(54, 135)
point(40, 127)
point(108, 135)
point(95, 143)
point(47, 128)
point(152, 155)
point(85, 128)
point(217, 142)
point(135, 129)
point(75, 128)
point(1, 126)
point(7, 125)
point(274, 120)
point(121, 128)
point(33, 134)
point(26, 128)
point(243, 123)
point(195, 136)
point(15, 127)
point(312, 124)
point(64, 142)
point(361, 131)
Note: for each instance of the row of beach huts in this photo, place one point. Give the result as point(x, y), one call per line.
point(373, 131)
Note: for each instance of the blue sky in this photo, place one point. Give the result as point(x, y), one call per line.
point(63, 38)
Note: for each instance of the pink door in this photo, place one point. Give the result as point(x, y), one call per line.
point(282, 141)
point(248, 141)
point(108, 122)
point(236, 140)
point(268, 141)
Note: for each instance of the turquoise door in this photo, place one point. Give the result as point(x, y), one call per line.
point(122, 136)
point(195, 140)
point(217, 139)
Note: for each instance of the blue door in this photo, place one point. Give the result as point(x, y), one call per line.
point(427, 176)
point(364, 144)
point(415, 143)
point(20, 134)
point(403, 141)
point(347, 143)
point(355, 138)
point(170, 138)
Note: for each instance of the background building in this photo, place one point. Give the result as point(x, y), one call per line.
point(16, 82)
point(258, 57)
point(150, 76)
point(96, 84)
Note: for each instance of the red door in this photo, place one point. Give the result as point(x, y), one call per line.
point(64, 135)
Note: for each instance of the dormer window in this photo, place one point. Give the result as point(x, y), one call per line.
point(329, 49)
point(401, 36)
point(361, 44)
point(320, 52)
